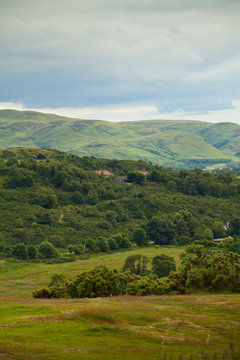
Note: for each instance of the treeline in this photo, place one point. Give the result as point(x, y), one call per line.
point(200, 270)
point(72, 173)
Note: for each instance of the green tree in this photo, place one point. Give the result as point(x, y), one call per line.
point(136, 177)
point(91, 244)
point(122, 240)
point(160, 231)
point(47, 250)
point(136, 264)
point(139, 237)
point(102, 244)
point(171, 185)
point(162, 265)
point(20, 252)
point(77, 197)
point(31, 252)
point(218, 230)
point(113, 245)
point(208, 234)
point(234, 226)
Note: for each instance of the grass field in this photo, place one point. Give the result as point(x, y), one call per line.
point(21, 278)
point(118, 328)
point(125, 327)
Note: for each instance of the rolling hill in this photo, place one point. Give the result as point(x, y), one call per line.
point(169, 143)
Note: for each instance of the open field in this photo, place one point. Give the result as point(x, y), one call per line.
point(128, 327)
point(118, 328)
point(21, 278)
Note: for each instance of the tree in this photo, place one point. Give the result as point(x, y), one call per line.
point(208, 234)
point(136, 177)
point(162, 265)
point(218, 230)
point(20, 251)
point(76, 197)
point(122, 240)
point(91, 245)
point(47, 250)
point(136, 264)
point(234, 226)
point(31, 252)
point(103, 244)
point(113, 244)
point(140, 237)
point(171, 185)
point(160, 231)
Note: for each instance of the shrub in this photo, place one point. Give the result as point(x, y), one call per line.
point(31, 252)
point(57, 279)
point(47, 250)
point(20, 251)
point(162, 265)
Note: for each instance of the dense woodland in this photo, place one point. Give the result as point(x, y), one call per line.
point(55, 205)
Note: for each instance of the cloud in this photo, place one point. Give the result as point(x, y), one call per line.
point(77, 54)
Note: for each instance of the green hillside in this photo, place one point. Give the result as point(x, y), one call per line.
point(170, 143)
point(86, 220)
point(50, 195)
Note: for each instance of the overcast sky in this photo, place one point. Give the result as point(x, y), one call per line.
point(122, 59)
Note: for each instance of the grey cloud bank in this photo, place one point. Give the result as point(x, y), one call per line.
point(176, 57)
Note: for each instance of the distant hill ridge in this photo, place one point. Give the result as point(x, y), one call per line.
point(166, 142)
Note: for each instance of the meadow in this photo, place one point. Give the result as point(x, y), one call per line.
point(128, 327)
point(20, 278)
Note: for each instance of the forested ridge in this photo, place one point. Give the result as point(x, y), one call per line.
point(55, 205)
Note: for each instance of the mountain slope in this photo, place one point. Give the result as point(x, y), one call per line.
point(169, 143)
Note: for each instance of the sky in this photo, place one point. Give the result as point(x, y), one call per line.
point(122, 60)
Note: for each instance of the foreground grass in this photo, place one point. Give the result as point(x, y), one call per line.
point(118, 328)
point(108, 328)
point(21, 278)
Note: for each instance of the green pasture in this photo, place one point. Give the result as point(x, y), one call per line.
point(118, 328)
point(20, 278)
point(128, 327)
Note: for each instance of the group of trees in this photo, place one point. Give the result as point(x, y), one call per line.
point(45, 250)
point(59, 197)
point(162, 265)
point(200, 270)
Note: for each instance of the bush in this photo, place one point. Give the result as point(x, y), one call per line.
point(91, 245)
point(31, 252)
point(122, 240)
point(100, 282)
point(20, 252)
point(162, 265)
point(56, 279)
point(102, 244)
point(47, 250)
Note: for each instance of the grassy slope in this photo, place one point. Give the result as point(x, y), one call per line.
point(163, 142)
point(108, 328)
point(21, 278)
point(118, 328)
